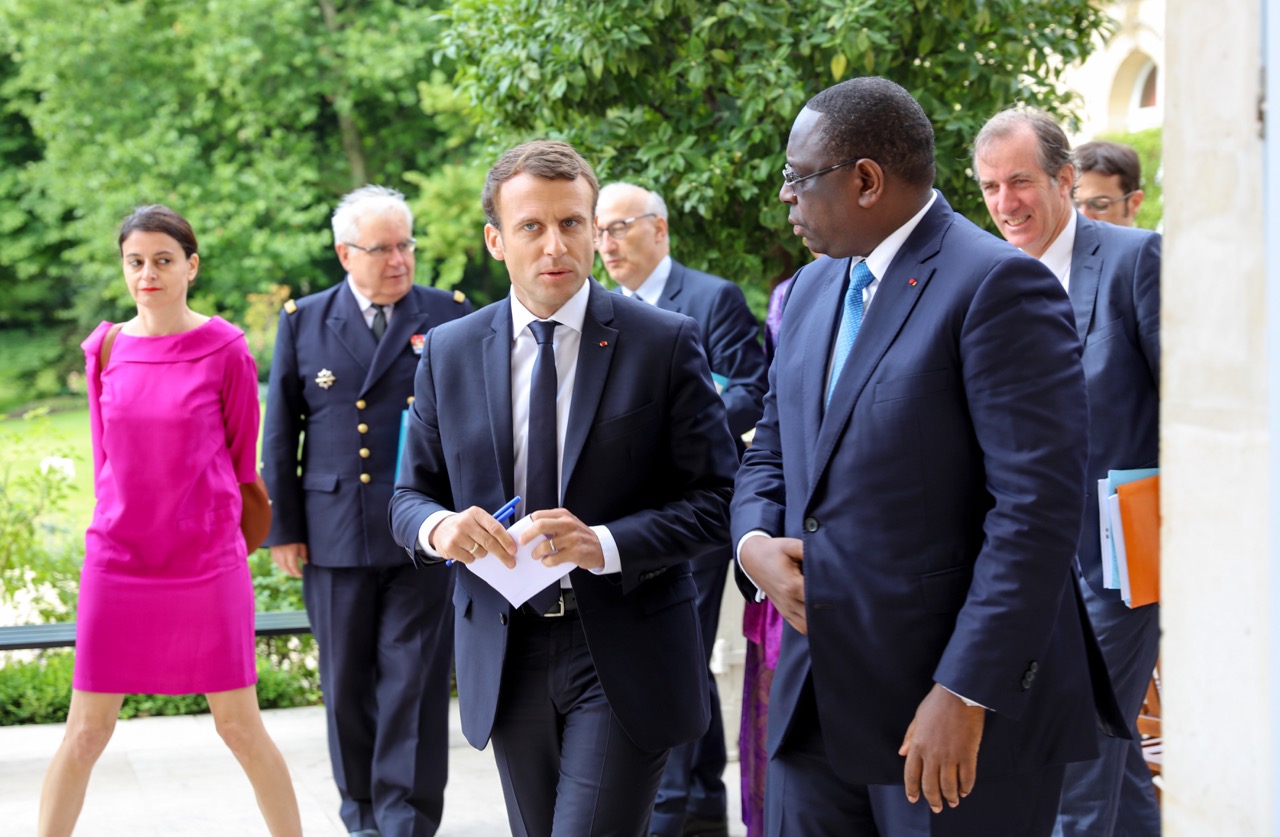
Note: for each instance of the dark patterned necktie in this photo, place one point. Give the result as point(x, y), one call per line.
point(542, 458)
point(379, 326)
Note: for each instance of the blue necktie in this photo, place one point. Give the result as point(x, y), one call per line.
point(850, 324)
point(542, 458)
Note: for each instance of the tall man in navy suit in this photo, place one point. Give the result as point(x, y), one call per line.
point(911, 501)
point(600, 411)
point(631, 235)
point(341, 379)
point(1022, 160)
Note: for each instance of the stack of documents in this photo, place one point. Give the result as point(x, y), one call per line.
point(1129, 528)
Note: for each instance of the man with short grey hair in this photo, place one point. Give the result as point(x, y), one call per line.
point(632, 237)
point(341, 379)
point(1022, 161)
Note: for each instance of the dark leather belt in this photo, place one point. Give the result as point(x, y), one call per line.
point(566, 604)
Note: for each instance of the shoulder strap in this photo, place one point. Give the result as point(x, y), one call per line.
point(104, 354)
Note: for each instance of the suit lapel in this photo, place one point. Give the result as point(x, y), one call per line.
point(670, 299)
point(817, 348)
point(407, 318)
point(897, 294)
point(595, 355)
point(1086, 273)
point(495, 353)
point(348, 326)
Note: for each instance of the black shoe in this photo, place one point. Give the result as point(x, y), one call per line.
point(696, 826)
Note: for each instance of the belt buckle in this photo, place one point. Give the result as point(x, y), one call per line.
point(552, 614)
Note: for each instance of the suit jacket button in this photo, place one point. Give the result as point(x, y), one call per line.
point(502, 618)
point(360, 405)
point(362, 427)
point(366, 479)
point(364, 453)
point(810, 525)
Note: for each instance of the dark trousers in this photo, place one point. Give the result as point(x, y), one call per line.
point(692, 783)
point(385, 638)
point(1112, 795)
point(805, 798)
point(567, 767)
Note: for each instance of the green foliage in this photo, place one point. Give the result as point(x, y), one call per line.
point(1150, 147)
point(38, 691)
point(250, 117)
point(40, 552)
point(696, 99)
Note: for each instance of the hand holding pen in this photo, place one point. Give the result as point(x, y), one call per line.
point(473, 533)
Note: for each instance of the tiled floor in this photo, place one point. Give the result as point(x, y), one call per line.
point(173, 776)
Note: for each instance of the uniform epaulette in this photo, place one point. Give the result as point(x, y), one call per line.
point(459, 296)
point(290, 306)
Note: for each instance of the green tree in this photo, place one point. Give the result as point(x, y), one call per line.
point(251, 117)
point(696, 99)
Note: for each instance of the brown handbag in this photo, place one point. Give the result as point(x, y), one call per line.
point(255, 505)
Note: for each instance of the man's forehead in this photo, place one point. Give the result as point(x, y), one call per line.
point(543, 198)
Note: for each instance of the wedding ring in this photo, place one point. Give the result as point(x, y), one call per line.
point(475, 550)
point(552, 543)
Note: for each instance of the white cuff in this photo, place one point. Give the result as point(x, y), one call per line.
point(612, 560)
point(737, 553)
point(428, 526)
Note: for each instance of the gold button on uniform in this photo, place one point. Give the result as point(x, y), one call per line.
point(365, 478)
point(364, 453)
point(360, 405)
point(362, 427)
point(409, 400)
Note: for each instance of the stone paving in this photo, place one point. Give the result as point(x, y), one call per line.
point(174, 776)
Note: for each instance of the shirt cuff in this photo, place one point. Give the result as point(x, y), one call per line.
point(754, 533)
point(967, 702)
point(428, 526)
point(612, 560)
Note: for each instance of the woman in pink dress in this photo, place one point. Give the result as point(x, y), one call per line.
point(166, 601)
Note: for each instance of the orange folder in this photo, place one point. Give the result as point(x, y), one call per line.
point(1140, 517)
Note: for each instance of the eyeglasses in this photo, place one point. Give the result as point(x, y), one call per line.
point(790, 178)
point(1101, 204)
point(618, 229)
point(382, 251)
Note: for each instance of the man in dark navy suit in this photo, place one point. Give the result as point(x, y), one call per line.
point(631, 235)
point(600, 412)
point(1023, 164)
point(911, 502)
point(341, 379)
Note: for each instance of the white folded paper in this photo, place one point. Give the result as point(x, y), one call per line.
point(529, 576)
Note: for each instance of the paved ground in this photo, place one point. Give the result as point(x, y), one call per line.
point(173, 776)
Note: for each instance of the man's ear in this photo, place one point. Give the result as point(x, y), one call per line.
point(493, 241)
point(1135, 201)
point(660, 227)
point(869, 178)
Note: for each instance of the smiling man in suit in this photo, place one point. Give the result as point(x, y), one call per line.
point(911, 501)
point(600, 412)
point(632, 237)
point(1022, 161)
point(341, 378)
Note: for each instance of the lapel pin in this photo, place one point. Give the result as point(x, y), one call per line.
point(604, 343)
point(911, 282)
point(417, 341)
point(325, 379)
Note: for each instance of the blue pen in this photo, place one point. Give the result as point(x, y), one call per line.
point(508, 510)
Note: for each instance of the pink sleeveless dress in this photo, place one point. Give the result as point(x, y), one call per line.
point(166, 601)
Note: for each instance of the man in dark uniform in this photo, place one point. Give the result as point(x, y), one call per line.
point(341, 379)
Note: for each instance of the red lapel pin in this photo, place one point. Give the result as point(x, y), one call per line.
point(911, 282)
point(604, 343)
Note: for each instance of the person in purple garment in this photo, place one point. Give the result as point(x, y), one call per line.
point(166, 602)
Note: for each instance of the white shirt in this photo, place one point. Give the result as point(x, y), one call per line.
point(1057, 256)
point(651, 289)
point(524, 353)
point(366, 304)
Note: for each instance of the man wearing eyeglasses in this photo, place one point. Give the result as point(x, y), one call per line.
point(1022, 160)
point(1107, 178)
point(341, 378)
point(911, 500)
point(632, 238)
